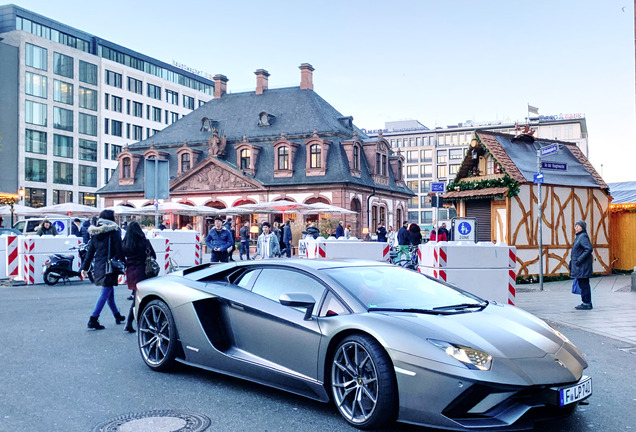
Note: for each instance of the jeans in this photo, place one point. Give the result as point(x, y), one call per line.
point(288, 249)
point(245, 248)
point(586, 291)
point(107, 295)
point(220, 256)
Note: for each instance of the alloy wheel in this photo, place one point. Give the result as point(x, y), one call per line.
point(154, 335)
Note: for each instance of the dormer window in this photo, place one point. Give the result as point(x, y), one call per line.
point(126, 168)
point(265, 119)
point(285, 152)
point(283, 158)
point(316, 150)
point(246, 154)
point(207, 124)
point(356, 157)
point(185, 162)
point(314, 156)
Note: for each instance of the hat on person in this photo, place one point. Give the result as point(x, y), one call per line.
point(582, 224)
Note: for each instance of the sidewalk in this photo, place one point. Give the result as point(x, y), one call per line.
point(613, 316)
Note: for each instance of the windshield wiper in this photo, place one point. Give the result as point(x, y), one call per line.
point(409, 310)
point(462, 306)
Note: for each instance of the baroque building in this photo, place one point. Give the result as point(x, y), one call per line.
point(266, 145)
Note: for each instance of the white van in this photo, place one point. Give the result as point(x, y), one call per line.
point(61, 223)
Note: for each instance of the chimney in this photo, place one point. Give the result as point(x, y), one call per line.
point(220, 85)
point(261, 81)
point(306, 76)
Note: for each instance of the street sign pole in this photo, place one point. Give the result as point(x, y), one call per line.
point(156, 193)
point(540, 223)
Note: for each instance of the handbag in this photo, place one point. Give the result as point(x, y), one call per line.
point(576, 288)
point(152, 266)
point(113, 265)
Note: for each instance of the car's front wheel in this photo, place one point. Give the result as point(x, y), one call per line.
point(363, 383)
point(157, 336)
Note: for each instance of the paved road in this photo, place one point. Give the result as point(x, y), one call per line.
point(58, 376)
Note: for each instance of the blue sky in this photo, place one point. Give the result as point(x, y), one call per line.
point(440, 62)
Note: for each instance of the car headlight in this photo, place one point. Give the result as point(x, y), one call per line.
point(471, 357)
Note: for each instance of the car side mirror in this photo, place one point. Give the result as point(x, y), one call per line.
point(299, 300)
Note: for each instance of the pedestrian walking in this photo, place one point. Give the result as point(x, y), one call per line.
point(267, 245)
point(219, 240)
point(287, 239)
point(76, 227)
point(415, 234)
point(279, 235)
point(136, 248)
point(340, 229)
point(403, 239)
point(228, 226)
point(581, 264)
point(347, 232)
point(46, 228)
point(104, 244)
point(244, 234)
point(381, 232)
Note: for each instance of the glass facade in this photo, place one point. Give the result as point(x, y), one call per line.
point(63, 119)
point(63, 146)
point(52, 34)
point(88, 176)
point(87, 150)
point(36, 85)
point(35, 113)
point(88, 73)
point(62, 173)
point(35, 141)
point(35, 170)
point(87, 98)
point(63, 92)
point(62, 65)
point(35, 57)
point(87, 124)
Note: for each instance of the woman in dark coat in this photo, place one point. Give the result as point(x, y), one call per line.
point(136, 249)
point(581, 264)
point(105, 238)
point(415, 234)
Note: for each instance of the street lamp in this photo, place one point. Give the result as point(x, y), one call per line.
point(9, 199)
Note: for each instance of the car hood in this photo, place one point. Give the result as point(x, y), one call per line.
point(502, 331)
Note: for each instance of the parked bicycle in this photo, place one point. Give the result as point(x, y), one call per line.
point(411, 262)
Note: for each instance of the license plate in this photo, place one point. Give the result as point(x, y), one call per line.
point(576, 392)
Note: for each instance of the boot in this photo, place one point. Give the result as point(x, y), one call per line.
point(119, 318)
point(129, 328)
point(94, 324)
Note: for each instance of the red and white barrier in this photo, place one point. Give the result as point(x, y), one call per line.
point(331, 248)
point(484, 269)
point(34, 251)
point(185, 245)
point(9, 261)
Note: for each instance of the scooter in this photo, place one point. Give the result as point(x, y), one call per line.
point(60, 266)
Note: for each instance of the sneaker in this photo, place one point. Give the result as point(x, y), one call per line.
point(584, 306)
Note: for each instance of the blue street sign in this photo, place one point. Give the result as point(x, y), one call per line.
point(538, 178)
point(550, 149)
point(59, 226)
point(464, 228)
point(561, 166)
point(438, 187)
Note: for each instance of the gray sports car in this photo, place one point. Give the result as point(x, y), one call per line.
point(382, 342)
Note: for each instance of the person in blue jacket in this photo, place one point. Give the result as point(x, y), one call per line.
point(219, 240)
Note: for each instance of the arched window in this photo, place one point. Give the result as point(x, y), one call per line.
point(245, 158)
point(314, 156)
point(125, 168)
point(283, 158)
point(185, 162)
point(356, 158)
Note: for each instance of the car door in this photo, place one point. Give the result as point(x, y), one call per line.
point(273, 335)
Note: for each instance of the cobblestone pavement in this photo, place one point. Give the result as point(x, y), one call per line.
point(613, 316)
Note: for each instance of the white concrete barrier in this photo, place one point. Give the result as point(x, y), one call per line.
point(33, 251)
point(185, 245)
point(336, 248)
point(485, 269)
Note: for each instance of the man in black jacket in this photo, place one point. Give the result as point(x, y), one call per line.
point(581, 264)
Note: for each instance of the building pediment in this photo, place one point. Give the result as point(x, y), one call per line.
point(214, 175)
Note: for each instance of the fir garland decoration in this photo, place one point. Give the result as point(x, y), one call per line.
point(505, 181)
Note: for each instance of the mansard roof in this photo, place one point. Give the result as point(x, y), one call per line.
point(296, 113)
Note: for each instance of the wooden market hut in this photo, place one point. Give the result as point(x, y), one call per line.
point(496, 185)
point(623, 225)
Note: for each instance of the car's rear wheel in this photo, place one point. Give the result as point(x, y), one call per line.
point(157, 336)
point(363, 383)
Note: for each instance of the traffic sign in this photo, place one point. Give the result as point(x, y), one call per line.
point(550, 149)
point(561, 166)
point(538, 177)
point(438, 187)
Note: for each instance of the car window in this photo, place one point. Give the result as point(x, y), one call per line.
point(332, 306)
point(19, 226)
point(247, 279)
point(32, 225)
point(271, 283)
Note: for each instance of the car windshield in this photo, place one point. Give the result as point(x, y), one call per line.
point(394, 288)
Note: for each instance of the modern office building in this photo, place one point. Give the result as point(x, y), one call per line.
point(435, 155)
point(70, 101)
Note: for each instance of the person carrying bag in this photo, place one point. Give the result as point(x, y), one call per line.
point(140, 259)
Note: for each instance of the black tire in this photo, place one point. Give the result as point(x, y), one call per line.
point(50, 278)
point(363, 383)
point(157, 336)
